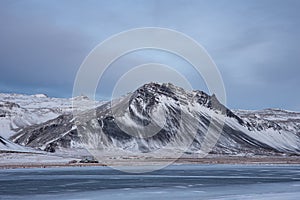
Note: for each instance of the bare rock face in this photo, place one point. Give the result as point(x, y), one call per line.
point(185, 114)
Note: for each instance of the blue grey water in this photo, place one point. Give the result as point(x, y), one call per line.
point(173, 182)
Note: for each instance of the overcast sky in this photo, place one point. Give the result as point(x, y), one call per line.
point(255, 44)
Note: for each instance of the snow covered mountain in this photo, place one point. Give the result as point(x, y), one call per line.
point(18, 111)
point(180, 118)
point(276, 118)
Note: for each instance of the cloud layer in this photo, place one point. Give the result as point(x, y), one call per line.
point(255, 44)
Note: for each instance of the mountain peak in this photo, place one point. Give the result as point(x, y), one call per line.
point(166, 103)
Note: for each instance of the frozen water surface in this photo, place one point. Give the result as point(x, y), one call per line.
point(174, 182)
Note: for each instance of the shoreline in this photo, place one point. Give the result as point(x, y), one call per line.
point(215, 160)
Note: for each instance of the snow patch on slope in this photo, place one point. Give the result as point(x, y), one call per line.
point(8, 146)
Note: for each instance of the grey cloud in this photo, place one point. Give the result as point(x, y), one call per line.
point(254, 43)
point(37, 53)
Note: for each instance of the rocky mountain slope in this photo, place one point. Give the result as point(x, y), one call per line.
point(163, 116)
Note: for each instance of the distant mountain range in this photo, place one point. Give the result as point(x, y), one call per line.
point(180, 117)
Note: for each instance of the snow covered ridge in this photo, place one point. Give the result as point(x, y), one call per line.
point(18, 111)
point(272, 118)
point(244, 132)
